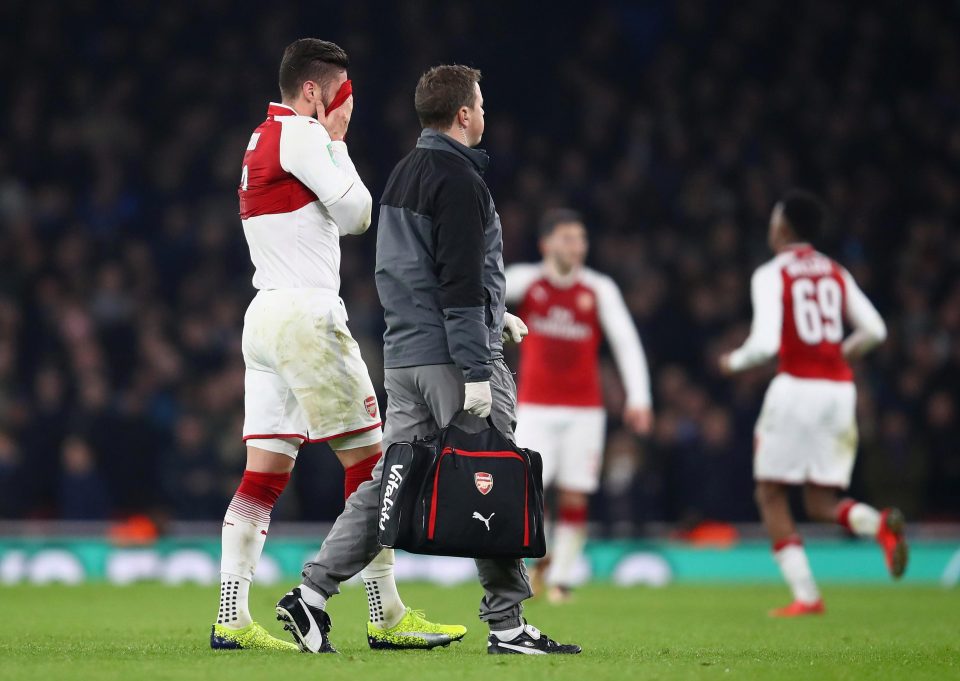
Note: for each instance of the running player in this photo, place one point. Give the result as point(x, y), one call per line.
point(807, 431)
point(569, 309)
point(305, 380)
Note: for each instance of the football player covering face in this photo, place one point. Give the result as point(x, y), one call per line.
point(299, 194)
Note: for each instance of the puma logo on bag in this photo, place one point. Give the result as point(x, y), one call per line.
point(485, 521)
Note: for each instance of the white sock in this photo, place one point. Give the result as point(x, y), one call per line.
point(864, 520)
point(383, 599)
point(312, 597)
point(242, 543)
point(568, 542)
point(508, 634)
point(244, 531)
point(795, 568)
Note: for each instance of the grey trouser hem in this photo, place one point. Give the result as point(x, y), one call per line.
point(420, 400)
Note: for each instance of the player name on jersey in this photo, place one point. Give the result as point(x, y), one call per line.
point(802, 299)
point(812, 331)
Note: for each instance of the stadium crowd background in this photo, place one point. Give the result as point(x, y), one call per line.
point(673, 126)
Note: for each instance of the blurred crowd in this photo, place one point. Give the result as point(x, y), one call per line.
point(673, 126)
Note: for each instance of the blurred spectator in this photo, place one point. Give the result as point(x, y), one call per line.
point(673, 126)
point(191, 485)
point(83, 494)
point(12, 497)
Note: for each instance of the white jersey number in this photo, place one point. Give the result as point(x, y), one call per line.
point(818, 310)
point(244, 178)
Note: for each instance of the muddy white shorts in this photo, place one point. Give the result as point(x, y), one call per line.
point(570, 440)
point(305, 378)
point(807, 432)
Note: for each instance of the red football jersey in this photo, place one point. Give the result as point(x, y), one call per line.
point(559, 360)
point(266, 188)
point(814, 300)
point(801, 301)
point(288, 172)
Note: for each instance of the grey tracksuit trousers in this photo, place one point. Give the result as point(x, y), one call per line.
point(420, 400)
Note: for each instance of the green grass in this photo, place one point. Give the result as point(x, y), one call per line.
point(682, 632)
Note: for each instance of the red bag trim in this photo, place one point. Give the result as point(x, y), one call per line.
point(481, 455)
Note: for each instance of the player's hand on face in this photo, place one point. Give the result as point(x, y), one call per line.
point(639, 419)
point(513, 329)
point(338, 120)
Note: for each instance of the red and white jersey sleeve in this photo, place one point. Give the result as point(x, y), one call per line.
point(801, 300)
point(559, 359)
point(763, 343)
point(520, 278)
point(299, 192)
point(622, 336)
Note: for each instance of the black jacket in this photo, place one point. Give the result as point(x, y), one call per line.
point(440, 260)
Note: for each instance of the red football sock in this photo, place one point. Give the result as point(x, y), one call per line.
point(843, 513)
point(358, 473)
point(572, 515)
point(792, 540)
point(257, 495)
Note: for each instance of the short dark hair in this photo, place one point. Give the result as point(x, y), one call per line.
point(806, 214)
point(558, 216)
point(441, 92)
point(309, 59)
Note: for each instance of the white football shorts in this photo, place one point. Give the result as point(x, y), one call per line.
point(305, 378)
point(807, 432)
point(570, 440)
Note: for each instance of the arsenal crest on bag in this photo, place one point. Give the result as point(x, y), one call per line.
point(457, 493)
point(484, 482)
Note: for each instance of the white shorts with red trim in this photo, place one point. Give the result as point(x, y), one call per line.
point(305, 378)
point(807, 432)
point(570, 440)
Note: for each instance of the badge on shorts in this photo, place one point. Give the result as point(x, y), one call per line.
point(484, 482)
point(371, 404)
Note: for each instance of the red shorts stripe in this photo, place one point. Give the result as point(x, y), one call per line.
point(271, 436)
point(349, 432)
point(282, 436)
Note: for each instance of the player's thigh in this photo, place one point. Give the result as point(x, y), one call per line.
point(581, 451)
point(780, 451)
point(321, 362)
point(272, 419)
point(836, 436)
point(539, 428)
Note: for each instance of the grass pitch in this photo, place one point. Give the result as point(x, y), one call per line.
point(681, 632)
